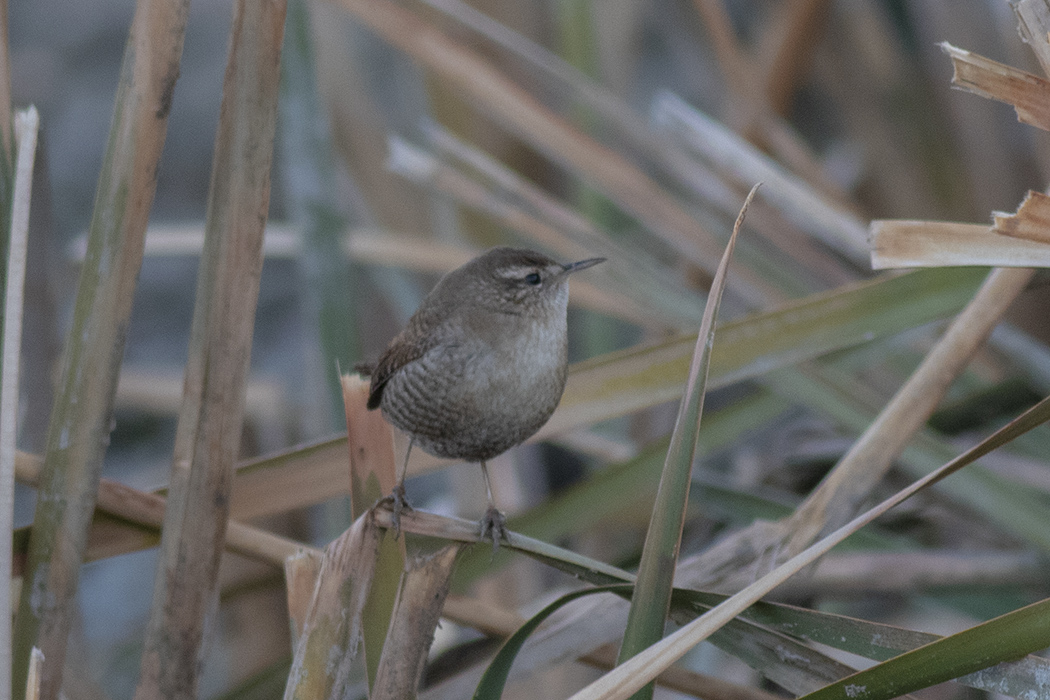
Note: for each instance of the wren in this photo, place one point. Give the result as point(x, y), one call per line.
point(481, 365)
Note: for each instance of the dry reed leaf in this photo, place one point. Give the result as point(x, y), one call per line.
point(523, 115)
point(1032, 220)
point(482, 615)
point(36, 661)
point(417, 610)
point(1029, 94)
point(294, 478)
point(370, 438)
point(796, 199)
point(326, 652)
point(129, 520)
point(1033, 20)
point(300, 579)
point(896, 244)
point(373, 475)
point(860, 574)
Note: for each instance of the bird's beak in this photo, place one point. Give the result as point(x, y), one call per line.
point(581, 265)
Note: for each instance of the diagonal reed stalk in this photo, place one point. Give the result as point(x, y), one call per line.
point(81, 418)
point(208, 436)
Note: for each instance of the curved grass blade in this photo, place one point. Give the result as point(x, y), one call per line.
point(495, 677)
point(872, 640)
point(779, 657)
point(1006, 638)
point(649, 606)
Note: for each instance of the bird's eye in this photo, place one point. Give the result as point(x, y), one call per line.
point(533, 278)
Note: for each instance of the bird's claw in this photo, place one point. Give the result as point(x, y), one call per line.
point(493, 526)
point(398, 504)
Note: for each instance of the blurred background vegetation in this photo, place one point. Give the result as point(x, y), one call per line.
point(389, 170)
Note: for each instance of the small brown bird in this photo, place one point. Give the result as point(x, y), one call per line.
point(481, 365)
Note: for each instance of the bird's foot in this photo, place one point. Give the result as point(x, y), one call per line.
point(398, 504)
point(493, 526)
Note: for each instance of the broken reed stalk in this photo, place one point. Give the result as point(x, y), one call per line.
point(208, 436)
point(81, 418)
point(373, 474)
point(326, 659)
point(420, 598)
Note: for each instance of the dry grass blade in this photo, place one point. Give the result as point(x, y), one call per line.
point(652, 594)
point(1034, 22)
point(420, 598)
point(36, 662)
point(1029, 94)
point(327, 651)
point(459, 530)
point(896, 244)
point(208, 436)
point(610, 299)
point(808, 209)
point(634, 674)
point(1031, 222)
point(373, 476)
point(82, 413)
point(298, 477)
point(300, 579)
point(524, 116)
point(372, 472)
point(26, 124)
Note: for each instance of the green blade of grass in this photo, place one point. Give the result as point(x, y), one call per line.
point(649, 605)
point(1006, 638)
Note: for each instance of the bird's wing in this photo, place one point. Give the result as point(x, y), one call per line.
point(407, 347)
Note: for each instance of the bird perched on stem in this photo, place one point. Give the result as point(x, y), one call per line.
point(481, 365)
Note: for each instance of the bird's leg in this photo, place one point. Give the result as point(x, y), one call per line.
point(493, 523)
point(397, 500)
